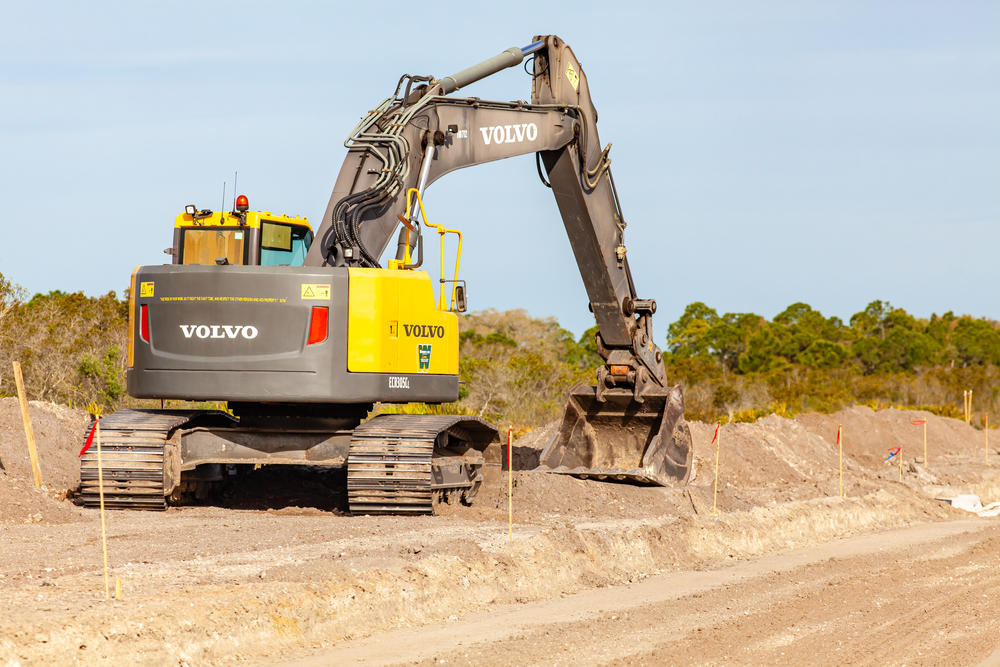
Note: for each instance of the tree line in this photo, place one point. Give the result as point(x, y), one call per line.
point(738, 366)
point(516, 369)
point(72, 347)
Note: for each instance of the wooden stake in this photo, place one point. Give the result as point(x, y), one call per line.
point(510, 486)
point(986, 446)
point(841, 445)
point(104, 532)
point(925, 444)
point(29, 434)
point(718, 444)
point(900, 455)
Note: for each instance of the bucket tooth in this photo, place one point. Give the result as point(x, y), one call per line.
point(616, 436)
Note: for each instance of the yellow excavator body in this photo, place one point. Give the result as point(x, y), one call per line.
point(394, 325)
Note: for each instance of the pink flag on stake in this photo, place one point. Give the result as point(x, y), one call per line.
point(717, 425)
point(90, 439)
point(918, 422)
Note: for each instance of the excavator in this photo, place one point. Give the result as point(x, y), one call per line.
point(302, 332)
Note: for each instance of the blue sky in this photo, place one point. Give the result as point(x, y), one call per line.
point(765, 153)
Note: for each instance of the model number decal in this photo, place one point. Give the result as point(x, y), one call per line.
point(399, 382)
point(423, 331)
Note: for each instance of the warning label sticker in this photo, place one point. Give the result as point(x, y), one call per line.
point(240, 299)
point(146, 289)
point(310, 291)
point(573, 77)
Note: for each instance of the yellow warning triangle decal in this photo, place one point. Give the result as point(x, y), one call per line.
point(308, 292)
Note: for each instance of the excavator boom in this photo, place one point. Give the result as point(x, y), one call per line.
point(630, 425)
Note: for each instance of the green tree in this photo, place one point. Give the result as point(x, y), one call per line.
point(104, 376)
point(872, 320)
point(976, 342)
point(767, 350)
point(687, 337)
point(728, 337)
point(71, 347)
point(823, 354)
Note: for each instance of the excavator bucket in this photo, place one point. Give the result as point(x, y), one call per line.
point(646, 442)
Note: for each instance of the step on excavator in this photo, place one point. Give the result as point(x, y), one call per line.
point(301, 331)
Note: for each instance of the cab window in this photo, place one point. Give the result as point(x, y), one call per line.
point(283, 245)
point(206, 245)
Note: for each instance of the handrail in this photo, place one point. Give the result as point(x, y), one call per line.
point(441, 230)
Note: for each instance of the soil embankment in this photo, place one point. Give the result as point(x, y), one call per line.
point(57, 431)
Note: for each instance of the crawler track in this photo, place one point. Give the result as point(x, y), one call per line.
point(132, 444)
point(399, 464)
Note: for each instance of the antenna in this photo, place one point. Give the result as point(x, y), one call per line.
point(235, 181)
point(223, 196)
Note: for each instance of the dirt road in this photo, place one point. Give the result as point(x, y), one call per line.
point(923, 595)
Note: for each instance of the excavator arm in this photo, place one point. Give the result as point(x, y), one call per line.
point(630, 426)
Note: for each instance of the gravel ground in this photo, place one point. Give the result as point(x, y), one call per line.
point(275, 565)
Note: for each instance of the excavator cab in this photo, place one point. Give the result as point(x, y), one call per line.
point(241, 237)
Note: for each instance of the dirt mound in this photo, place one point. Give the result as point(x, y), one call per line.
point(58, 436)
point(781, 460)
point(868, 435)
point(527, 448)
point(774, 460)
